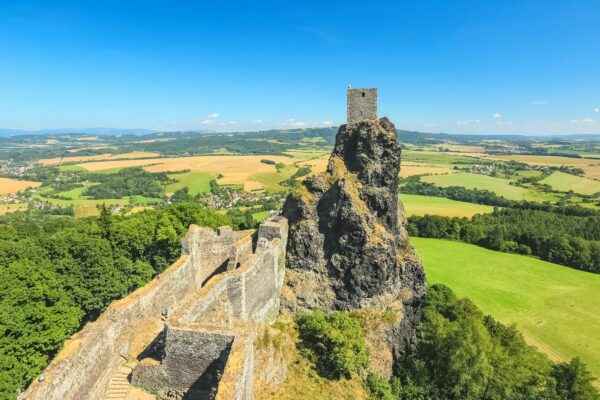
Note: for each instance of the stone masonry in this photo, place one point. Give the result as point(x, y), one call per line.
point(361, 104)
point(224, 279)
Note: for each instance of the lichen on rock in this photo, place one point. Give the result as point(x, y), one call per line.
point(348, 247)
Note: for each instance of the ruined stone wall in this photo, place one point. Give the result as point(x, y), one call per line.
point(193, 363)
point(250, 292)
point(83, 368)
point(361, 104)
point(216, 324)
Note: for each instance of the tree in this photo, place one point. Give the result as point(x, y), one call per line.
point(105, 221)
point(335, 343)
point(573, 381)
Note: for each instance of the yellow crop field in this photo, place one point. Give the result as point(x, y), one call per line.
point(234, 169)
point(457, 148)
point(86, 148)
point(100, 157)
point(408, 168)
point(8, 185)
point(317, 165)
point(555, 161)
point(251, 186)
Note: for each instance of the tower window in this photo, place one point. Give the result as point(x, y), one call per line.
point(363, 94)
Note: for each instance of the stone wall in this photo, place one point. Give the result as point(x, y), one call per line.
point(361, 104)
point(214, 266)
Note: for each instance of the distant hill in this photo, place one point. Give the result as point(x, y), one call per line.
point(403, 135)
point(62, 131)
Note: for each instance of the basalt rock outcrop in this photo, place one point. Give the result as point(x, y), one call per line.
point(348, 247)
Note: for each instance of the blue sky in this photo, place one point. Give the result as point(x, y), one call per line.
point(483, 66)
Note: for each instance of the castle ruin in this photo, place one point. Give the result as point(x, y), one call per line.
point(361, 104)
point(223, 282)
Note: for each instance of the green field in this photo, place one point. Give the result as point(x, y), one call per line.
point(440, 158)
point(565, 182)
point(197, 182)
point(501, 187)
point(71, 168)
point(260, 216)
point(423, 205)
point(557, 308)
point(270, 180)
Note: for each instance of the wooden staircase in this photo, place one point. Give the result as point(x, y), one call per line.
point(119, 387)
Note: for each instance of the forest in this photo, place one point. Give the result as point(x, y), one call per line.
point(128, 182)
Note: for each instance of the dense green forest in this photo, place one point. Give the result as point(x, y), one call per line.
point(560, 236)
point(128, 182)
point(57, 273)
point(464, 355)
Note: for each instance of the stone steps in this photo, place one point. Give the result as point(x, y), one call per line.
point(119, 387)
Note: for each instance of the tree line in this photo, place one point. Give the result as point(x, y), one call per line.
point(557, 236)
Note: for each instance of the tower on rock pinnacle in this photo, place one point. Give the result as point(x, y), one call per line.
point(361, 104)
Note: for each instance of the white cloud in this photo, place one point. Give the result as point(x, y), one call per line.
point(233, 122)
point(327, 124)
point(258, 121)
point(213, 115)
point(582, 121)
point(295, 123)
point(504, 123)
point(208, 122)
point(497, 115)
point(597, 110)
point(539, 102)
point(469, 122)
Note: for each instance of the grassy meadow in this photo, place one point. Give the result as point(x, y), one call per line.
point(7, 208)
point(501, 187)
point(565, 182)
point(555, 307)
point(196, 182)
point(423, 205)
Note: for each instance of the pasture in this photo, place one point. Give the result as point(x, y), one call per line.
point(9, 185)
point(423, 205)
point(448, 159)
point(196, 182)
point(8, 208)
point(270, 181)
point(557, 308)
point(565, 182)
point(501, 187)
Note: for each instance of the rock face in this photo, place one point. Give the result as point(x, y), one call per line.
point(348, 247)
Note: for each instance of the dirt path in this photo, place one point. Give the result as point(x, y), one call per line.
point(554, 356)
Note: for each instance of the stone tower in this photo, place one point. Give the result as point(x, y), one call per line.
point(362, 104)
